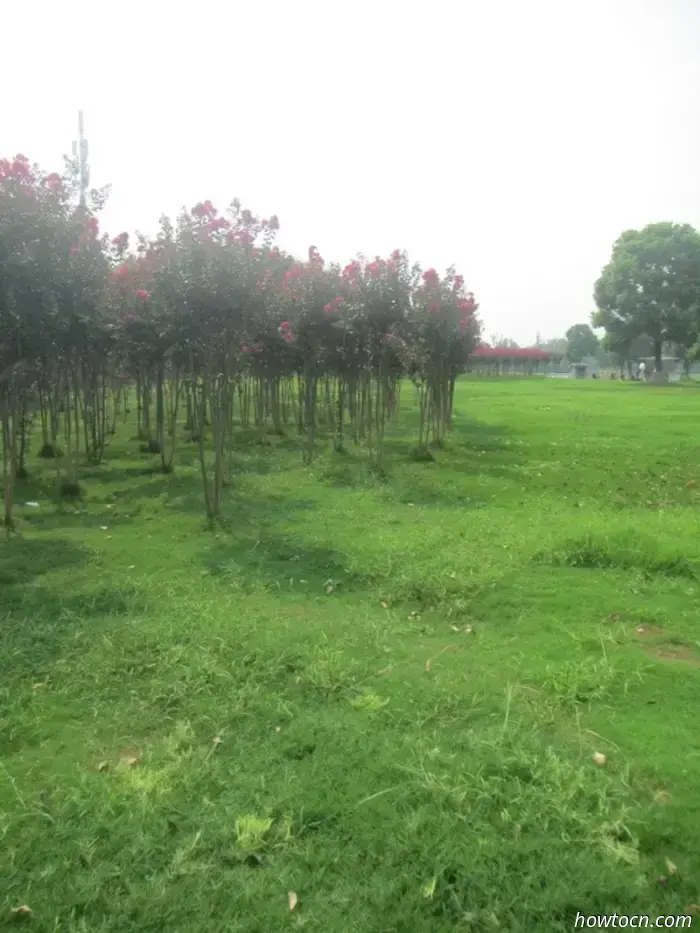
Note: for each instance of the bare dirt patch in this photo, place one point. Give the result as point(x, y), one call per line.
point(648, 631)
point(675, 653)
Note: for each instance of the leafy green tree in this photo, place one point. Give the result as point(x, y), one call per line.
point(498, 340)
point(652, 286)
point(580, 342)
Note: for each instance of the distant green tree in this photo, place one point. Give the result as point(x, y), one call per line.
point(652, 286)
point(498, 340)
point(580, 342)
point(554, 345)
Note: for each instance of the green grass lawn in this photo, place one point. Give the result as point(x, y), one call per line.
point(380, 693)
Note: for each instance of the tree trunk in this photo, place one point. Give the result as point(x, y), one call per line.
point(658, 345)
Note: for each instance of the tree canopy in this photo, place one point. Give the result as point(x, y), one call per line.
point(580, 342)
point(651, 286)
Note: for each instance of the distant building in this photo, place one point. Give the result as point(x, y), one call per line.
point(508, 361)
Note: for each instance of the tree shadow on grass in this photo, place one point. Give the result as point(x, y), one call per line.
point(282, 564)
point(22, 560)
point(47, 624)
point(439, 477)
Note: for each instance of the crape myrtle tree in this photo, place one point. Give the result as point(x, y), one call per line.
point(210, 320)
point(52, 344)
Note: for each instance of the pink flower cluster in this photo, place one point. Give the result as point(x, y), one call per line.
point(286, 331)
point(431, 278)
point(19, 168)
point(53, 181)
point(204, 209)
point(467, 305)
point(121, 273)
point(244, 237)
point(218, 223)
point(142, 294)
point(333, 305)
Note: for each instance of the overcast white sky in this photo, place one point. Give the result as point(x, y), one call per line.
point(514, 139)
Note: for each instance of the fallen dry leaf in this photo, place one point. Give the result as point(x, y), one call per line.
point(21, 911)
point(414, 615)
point(131, 760)
point(600, 759)
point(691, 484)
point(693, 909)
point(385, 670)
point(104, 528)
point(384, 604)
point(37, 686)
point(469, 630)
point(217, 740)
point(328, 588)
point(103, 766)
point(292, 900)
point(428, 665)
point(661, 796)
point(671, 868)
point(277, 729)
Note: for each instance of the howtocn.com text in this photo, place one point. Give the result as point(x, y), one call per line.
point(632, 922)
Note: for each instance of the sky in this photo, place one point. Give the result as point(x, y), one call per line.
point(514, 140)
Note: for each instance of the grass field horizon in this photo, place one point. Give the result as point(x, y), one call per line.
point(383, 693)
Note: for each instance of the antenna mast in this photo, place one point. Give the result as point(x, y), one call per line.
point(80, 153)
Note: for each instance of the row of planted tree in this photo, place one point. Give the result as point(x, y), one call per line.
point(209, 322)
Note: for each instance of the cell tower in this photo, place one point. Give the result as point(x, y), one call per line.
point(80, 153)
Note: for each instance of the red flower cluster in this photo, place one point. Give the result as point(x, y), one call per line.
point(333, 305)
point(19, 168)
point(121, 273)
point(218, 223)
point(291, 277)
point(430, 277)
point(352, 272)
point(467, 305)
point(286, 331)
point(458, 283)
point(53, 181)
point(204, 209)
point(244, 237)
point(92, 225)
point(142, 294)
